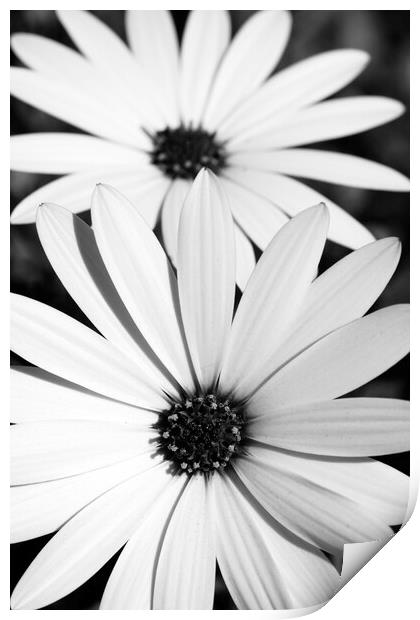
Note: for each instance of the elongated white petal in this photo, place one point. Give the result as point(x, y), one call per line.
point(251, 57)
point(206, 274)
point(113, 60)
point(313, 512)
point(153, 39)
point(38, 396)
point(293, 196)
point(59, 344)
point(206, 37)
point(131, 583)
point(144, 280)
point(186, 569)
point(48, 450)
point(71, 248)
point(89, 540)
point(69, 68)
point(76, 107)
point(245, 258)
point(261, 323)
point(263, 565)
point(380, 490)
point(145, 187)
point(338, 363)
point(341, 294)
point(293, 88)
point(60, 153)
point(323, 121)
point(329, 166)
point(344, 427)
point(41, 508)
point(258, 217)
point(171, 211)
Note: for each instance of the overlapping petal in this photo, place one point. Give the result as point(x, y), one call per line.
point(321, 516)
point(284, 272)
point(41, 508)
point(144, 279)
point(293, 88)
point(258, 46)
point(86, 542)
point(131, 583)
point(57, 343)
point(145, 187)
point(293, 196)
point(343, 293)
point(264, 566)
point(186, 569)
point(338, 363)
point(206, 275)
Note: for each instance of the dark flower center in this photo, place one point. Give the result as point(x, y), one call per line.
point(201, 434)
point(182, 152)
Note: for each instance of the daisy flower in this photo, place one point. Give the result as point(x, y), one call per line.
point(158, 114)
point(187, 437)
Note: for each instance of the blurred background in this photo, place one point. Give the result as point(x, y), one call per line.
point(385, 36)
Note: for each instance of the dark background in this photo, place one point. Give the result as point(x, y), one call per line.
point(385, 35)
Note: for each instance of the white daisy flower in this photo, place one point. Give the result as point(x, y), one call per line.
point(187, 437)
point(158, 114)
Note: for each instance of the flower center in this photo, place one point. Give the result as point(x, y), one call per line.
point(201, 434)
point(182, 152)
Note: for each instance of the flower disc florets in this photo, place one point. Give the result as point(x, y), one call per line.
point(201, 434)
point(182, 152)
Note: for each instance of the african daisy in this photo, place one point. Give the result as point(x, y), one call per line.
point(187, 437)
point(158, 114)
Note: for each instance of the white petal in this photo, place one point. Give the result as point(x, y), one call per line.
point(76, 107)
point(206, 274)
point(263, 565)
point(293, 196)
point(41, 508)
point(341, 294)
point(338, 363)
point(262, 320)
point(153, 39)
point(59, 344)
point(130, 585)
point(69, 68)
point(378, 489)
point(293, 88)
point(112, 60)
point(206, 37)
point(345, 427)
point(48, 450)
point(185, 574)
point(144, 280)
point(259, 218)
point(313, 512)
point(39, 396)
point(145, 187)
point(251, 57)
point(71, 248)
point(324, 121)
point(60, 153)
point(88, 540)
point(337, 168)
point(245, 258)
point(171, 211)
